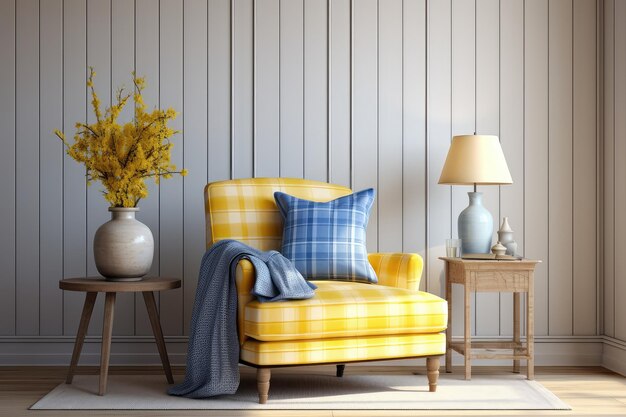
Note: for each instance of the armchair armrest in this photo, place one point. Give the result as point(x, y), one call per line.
point(244, 280)
point(400, 270)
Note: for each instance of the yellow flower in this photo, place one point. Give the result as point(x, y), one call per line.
point(122, 157)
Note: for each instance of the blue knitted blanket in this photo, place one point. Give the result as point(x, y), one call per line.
point(213, 350)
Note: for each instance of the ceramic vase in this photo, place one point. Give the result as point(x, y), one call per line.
point(511, 248)
point(123, 247)
point(505, 236)
point(475, 226)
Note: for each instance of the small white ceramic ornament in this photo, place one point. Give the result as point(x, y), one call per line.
point(498, 249)
point(505, 236)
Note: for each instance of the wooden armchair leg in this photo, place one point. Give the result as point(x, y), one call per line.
point(263, 384)
point(340, 369)
point(432, 368)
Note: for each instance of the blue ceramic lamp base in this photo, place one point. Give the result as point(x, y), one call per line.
point(475, 226)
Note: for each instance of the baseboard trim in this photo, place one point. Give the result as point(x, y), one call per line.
point(614, 355)
point(141, 350)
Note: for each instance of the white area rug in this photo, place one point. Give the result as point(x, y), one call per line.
point(321, 392)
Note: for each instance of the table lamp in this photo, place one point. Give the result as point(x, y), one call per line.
point(475, 160)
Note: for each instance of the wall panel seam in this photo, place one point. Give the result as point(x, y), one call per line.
point(351, 93)
point(524, 123)
point(159, 104)
point(573, 243)
point(280, 139)
point(182, 284)
point(15, 167)
point(499, 139)
point(86, 112)
point(135, 70)
point(474, 295)
point(475, 67)
point(378, 124)
point(402, 134)
point(548, 159)
point(426, 141)
point(232, 89)
point(208, 87)
point(614, 160)
point(328, 89)
point(254, 85)
point(524, 130)
point(599, 166)
point(303, 88)
point(452, 100)
point(39, 162)
point(63, 162)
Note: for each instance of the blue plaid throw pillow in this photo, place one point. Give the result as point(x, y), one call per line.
point(327, 240)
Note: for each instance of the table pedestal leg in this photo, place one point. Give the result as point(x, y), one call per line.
point(107, 330)
point(148, 297)
point(90, 300)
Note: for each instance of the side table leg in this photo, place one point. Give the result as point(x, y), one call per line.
point(530, 326)
point(107, 329)
point(148, 297)
point(468, 335)
point(449, 328)
point(90, 300)
point(516, 329)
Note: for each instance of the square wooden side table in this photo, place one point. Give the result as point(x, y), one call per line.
point(492, 276)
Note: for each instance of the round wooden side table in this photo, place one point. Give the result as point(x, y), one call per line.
point(92, 286)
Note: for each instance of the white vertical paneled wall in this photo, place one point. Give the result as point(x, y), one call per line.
point(51, 168)
point(584, 168)
point(7, 165)
point(560, 169)
point(364, 93)
point(123, 26)
point(438, 131)
point(171, 191)
point(535, 154)
point(27, 154)
point(147, 64)
point(195, 140)
point(74, 186)
point(512, 129)
point(99, 18)
point(614, 127)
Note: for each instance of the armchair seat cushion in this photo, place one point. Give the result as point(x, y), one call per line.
point(346, 310)
point(343, 350)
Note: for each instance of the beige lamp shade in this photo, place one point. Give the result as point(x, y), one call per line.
point(475, 159)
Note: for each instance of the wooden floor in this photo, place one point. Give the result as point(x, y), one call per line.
point(590, 391)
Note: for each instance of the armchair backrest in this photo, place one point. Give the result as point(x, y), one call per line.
point(245, 210)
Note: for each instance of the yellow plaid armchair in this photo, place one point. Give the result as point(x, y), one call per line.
point(345, 321)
